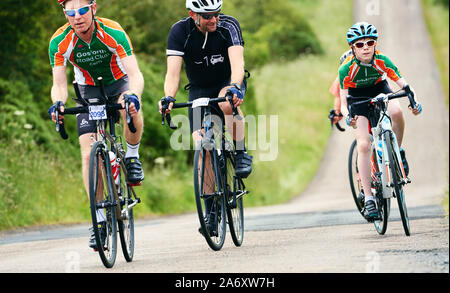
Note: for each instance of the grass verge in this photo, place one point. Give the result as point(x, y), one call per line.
point(38, 189)
point(437, 21)
point(297, 93)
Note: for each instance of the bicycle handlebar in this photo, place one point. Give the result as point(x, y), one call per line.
point(109, 107)
point(381, 98)
point(165, 106)
point(331, 117)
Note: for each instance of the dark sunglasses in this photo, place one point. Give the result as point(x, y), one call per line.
point(360, 45)
point(81, 11)
point(209, 16)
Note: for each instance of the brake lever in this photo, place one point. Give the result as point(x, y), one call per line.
point(167, 117)
point(331, 117)
point(128, 116)
point(234, 109)
point(60, 127)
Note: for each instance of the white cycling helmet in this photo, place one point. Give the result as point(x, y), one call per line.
point(203, 6)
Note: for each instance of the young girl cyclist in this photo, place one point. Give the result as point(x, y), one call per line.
point(364, 75)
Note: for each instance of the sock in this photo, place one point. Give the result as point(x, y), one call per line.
point(369, 198)
point(132, 151)
point(101, 215)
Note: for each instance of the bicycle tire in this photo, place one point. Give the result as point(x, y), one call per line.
point(100, 168)
point(353, 175)
point(235, 207)
point(383, 204)
point(126, 224)
point(394, 165)
point(210, 177)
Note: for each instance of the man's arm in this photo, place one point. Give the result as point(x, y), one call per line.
point(134, 74)
point(172, 80)
point(236, 55)
point(59, 87)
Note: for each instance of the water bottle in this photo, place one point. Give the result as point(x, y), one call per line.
point(115, 167)
point(380, 151)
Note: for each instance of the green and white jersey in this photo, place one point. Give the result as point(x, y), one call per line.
point(101, 57)
point(354, 74)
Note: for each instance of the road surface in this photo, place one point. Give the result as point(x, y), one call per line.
point(318, 231)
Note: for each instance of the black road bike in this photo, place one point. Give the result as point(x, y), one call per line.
point(218, 190)
point(109, 191)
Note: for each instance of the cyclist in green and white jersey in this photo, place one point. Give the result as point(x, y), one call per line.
point(364, 75)
point(97, 47)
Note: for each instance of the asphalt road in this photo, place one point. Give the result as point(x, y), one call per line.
point(318, 231)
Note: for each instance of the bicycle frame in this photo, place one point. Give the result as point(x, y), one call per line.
point(381, 131)
point(208, 125)
point(220, 155)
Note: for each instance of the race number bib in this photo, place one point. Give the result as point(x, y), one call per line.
point(97, 112)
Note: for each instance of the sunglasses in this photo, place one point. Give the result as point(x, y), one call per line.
point(209, 16)
point(81, 11)
point(360, 45)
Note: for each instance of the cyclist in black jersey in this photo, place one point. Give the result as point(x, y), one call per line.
point(212, 47)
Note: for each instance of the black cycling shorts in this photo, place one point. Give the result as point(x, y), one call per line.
point(195, 92)
point(368, 92)
point(84, 125)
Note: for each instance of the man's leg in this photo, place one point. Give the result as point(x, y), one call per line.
point(85, 146)
point(237, 128)
point(132, 163)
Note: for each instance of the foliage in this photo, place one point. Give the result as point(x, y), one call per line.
point(26, 79)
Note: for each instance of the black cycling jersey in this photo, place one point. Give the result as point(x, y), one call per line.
point(205, 56)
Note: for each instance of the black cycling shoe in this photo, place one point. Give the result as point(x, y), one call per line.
point(135, 174)
point(361, 198)
point(404, 162)
point(92, 242)
point(211, 225)
point(370, 211)
point(243, 164)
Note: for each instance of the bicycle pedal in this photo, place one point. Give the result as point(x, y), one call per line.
point(96, 250)
point(134, 184)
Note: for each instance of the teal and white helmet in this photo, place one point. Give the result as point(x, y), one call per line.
point(204, 6)
point(361, 30)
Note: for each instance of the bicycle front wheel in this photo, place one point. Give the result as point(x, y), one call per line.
point(396, 174)
point(384, 206)
point(235, 205)
point(103, 210)
point(209, 198)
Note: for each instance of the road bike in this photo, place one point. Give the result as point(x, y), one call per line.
point(387, 173)
point(218, 190)
point(109, 191)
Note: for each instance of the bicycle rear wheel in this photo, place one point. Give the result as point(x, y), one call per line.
point(100, 182)
point(126, 220)
point(209, 197)
point(235, 203)
point(394, 165)
point(354, 178)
